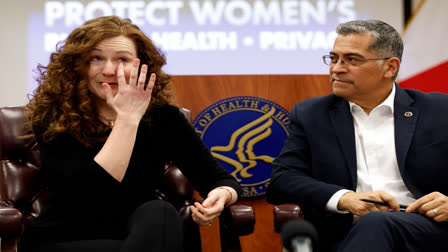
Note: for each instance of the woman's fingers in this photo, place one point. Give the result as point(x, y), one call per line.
point(204, 215)
point(134, 95)
point(109, 95)
point(151, 83)
point(120, 75)
point(142, 78)
point(134, 72)
point(199, 217)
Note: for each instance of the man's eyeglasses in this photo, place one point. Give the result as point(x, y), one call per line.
point(349, 60)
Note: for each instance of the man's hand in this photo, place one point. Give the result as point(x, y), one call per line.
point(351, 202)
point(433, 205)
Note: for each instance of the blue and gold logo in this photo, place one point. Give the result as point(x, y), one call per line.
point(244, 134)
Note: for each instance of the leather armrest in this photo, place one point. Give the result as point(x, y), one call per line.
point(235, 221)
point(238, 219)
point(284, 213)
point(10, 221)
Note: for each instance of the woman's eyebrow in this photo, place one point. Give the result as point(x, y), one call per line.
point(120, 51)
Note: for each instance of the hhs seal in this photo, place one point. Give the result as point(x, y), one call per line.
point(244, 134)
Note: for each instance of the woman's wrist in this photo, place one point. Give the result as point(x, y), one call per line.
point(127, 120)
point(230, 198)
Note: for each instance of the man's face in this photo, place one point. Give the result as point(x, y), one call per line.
point(363, 80)
point(104, 60)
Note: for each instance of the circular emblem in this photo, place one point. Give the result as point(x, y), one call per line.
point(244, 134)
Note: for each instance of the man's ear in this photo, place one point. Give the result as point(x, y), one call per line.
point(391, 67)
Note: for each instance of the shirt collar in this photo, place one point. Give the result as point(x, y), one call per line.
point(389, 102)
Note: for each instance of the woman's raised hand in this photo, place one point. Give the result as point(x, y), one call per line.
point(132, 98)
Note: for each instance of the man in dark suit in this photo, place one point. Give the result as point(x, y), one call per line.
point(370, 139)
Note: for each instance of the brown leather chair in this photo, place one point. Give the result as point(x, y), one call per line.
point(22, 195)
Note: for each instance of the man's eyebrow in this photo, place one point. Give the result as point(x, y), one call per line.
point(348, 54)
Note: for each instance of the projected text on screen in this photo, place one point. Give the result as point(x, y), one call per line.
point(211, 37)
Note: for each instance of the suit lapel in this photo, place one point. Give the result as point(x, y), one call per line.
point(342, 121)
point(405, 118)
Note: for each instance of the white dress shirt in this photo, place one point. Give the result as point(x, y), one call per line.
point(376, 160)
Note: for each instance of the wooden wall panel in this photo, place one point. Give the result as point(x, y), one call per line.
point(198, 92)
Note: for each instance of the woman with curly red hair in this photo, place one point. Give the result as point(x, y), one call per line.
point(105, 125)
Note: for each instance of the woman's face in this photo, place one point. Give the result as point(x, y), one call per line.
point(103, 64)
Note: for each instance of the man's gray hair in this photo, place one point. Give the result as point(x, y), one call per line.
point(386, 40)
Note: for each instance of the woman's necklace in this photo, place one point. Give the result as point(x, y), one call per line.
point(109, 122)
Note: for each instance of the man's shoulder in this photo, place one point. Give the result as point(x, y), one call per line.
point(420, 97)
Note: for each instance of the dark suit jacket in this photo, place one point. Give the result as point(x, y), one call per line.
point(319, 156)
